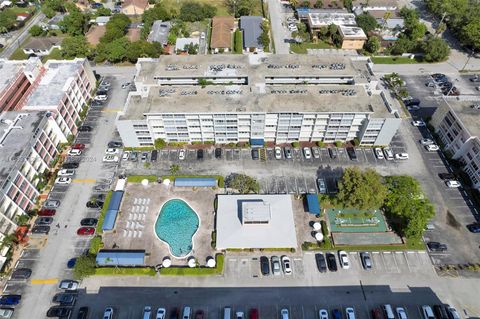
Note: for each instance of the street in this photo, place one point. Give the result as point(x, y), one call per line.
point(20, 36)
point(279, 32)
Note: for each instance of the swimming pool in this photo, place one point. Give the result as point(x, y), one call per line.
point(176, 224)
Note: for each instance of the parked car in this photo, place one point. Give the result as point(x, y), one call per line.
point(89, 222)
point(336, 314)
point(86, 231)
point(379, 153)
point(452, 313)
point(352, 154)
point(307, 152)
point(388, 153)
point(43, 220)
point(286, 265)
point(6, 313)
point(253, 313)
point(323, 314)
point(239, 315)
point(110, 159)
point(21, 273)
point(218, 152)
point(108, 313)
point(418, 123)
point(278, 152)
point(126, 85)
point(41, 230)
point(154, 156)
point(343, 258)
point(200, 154)
point(426, 141)
point(51, 203)
point(401, 156)
point(427, 312)
point(82, 313)
point(432, 147)
point(264, 266)
point(70, 165)
point(111, 151)
point(288, 152)
point(144, 157)
point(199, 314)
point(331, 262)
point(316, 152)
point(65, 299)
point(350, 313)
point(46, 212)
point(322, 186)
point(377, 313)
point(440, 312)
point(101, 187)
point(321, 263)
point(85, 128)
point(401, 313)
point(453, 184)
point(446, 176)
point(181, 155)
point(284, 313)
point(78, 146)
point(114, 144)
point(102, 97)
point(68, 284)
point(63, 180)
point(59, 311)
point(275, 265)
point(94, 204)
point(161, 312)
point(255, 154)
point(411, 102)
point(66, 172)
point(10, 300)
point(133, 156)
point(147, 312)
point(74, 152)
point(366, 260)
point(332, 152)
point(71, 263)
point(436, 246)
point(474, 228)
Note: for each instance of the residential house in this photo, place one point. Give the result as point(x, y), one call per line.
point(359, 6)
point(183, 42)
point(159, 32)
point(222, 28)
point(251, 27)
point(389, 19)
point(102, 20)
point(134, 7)
point(41, 46)
point(353, 38)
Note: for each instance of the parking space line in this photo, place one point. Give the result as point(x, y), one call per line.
point(44, 281)
point(87, 180)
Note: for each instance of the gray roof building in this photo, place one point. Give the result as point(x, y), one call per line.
point(159, 32)
point(255, 221)
point(251, 28)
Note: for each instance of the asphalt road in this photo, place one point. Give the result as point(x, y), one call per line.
point(279, 32)
point(21, 35)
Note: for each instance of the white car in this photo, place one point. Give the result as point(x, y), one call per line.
point(68, 284)
point(6, 313)
point(110, 159)
point(350, 312)
point(111, 151)
point(426, 141)
point(413, 108)
point(453, 184)
point(181, 155)
point(284, 313)
point(161, 313)
point(343, 258)
point(452, 311)
point(401, 156)
point(401, 313)
point(108, 313)
point(388, 153)
point(278, 153)
point(63, 180)
point(432, 147)
point(287, 268)
point(239, 315)
point(126, 155)
point(74, 152)
point(379, 153)
point(147, 312)
point(316, 152)
point(307, 152)
point(66, 172)
point(323, 314)
point(126, 85)
point(100, 98)
point(418, 123)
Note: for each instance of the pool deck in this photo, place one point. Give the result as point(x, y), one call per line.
point(141, 205)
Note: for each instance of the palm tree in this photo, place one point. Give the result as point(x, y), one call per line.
point(294, 3)
point(386, 16)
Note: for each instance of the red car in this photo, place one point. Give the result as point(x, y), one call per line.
point(78, 146)
point(47, 212)
point(253, 313)
point(86, 231)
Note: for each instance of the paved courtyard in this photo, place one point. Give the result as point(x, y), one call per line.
point(135, 226)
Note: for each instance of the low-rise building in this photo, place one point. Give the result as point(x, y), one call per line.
point(457, 125)
point(251, 27)
point(256, 99)
point(134, 7)
point(389, 19)
point(41, 46)
point(222, 28)
point(102, 20)
point(353, 38)
point(359, 6)
point(182, 44)
point(159, 32)
point(317, 20)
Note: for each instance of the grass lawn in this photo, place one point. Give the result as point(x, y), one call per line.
point(198, 271)
point(18, 54)
point(395, 60)
point(408, 246)
point(21, 10)
point(301, 48)
point(140, 178)
point(117, 271)
point(176, 4)
point(55, 55)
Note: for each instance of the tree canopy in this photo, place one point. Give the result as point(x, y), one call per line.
point(84, 267)
point(361, 189)
point(75, 47)
point(366, 22)
point(74, 23)
point(51, 7)
point(36, 31)
point(116, 28)
point(239, 8)
point(243, 183)
point(7, 20)
point(372, 45)
point(158, 12)
point(435, 49)
point(194, 11)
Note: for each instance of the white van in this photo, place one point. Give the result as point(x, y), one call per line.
point(427, 312)
point(187, 312)
point(227, 313)
point(387, 310)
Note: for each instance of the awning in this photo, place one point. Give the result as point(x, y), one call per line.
point(313, 204)
point(257, 142)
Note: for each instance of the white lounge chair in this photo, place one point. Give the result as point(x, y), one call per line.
point(124, 233)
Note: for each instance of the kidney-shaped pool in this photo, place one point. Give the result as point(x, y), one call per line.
point(176, 224)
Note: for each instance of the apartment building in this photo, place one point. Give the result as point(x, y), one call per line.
point(28, 146)
point(457, 125)
point(256, 99)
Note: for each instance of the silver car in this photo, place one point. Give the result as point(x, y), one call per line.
point(51, 203)
point(276, 265)
point(68, 285)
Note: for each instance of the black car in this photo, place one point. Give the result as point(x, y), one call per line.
point(94, 204)
point(41, 230)
point(412, 102)
point(446, 176)
point(97, 103)
point(98, 197)
point(82, 313)
point(332, 152)
point(21, 273)
point(321, 263)
point(44, 220)
point(255, 155)
point(174, 313)
point(89, 222)
point(199, 154)
point(114, 144)
point(436, 246)
point(366, 260)
point(288, 152)
point(70, 165)
point(218, 152)
point(331, 262)
point(351, 153)
point(85, 128)
point(154, 156)
point(59, 311)
point(474, 228)
point(264, 266)
point(440, 312)
point(65, 299)
point(103, 91)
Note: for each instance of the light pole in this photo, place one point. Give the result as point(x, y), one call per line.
point(468, 60)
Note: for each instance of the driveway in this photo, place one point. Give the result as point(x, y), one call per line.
point(279, 32)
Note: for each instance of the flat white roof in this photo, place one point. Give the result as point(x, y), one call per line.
point(279, 232)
